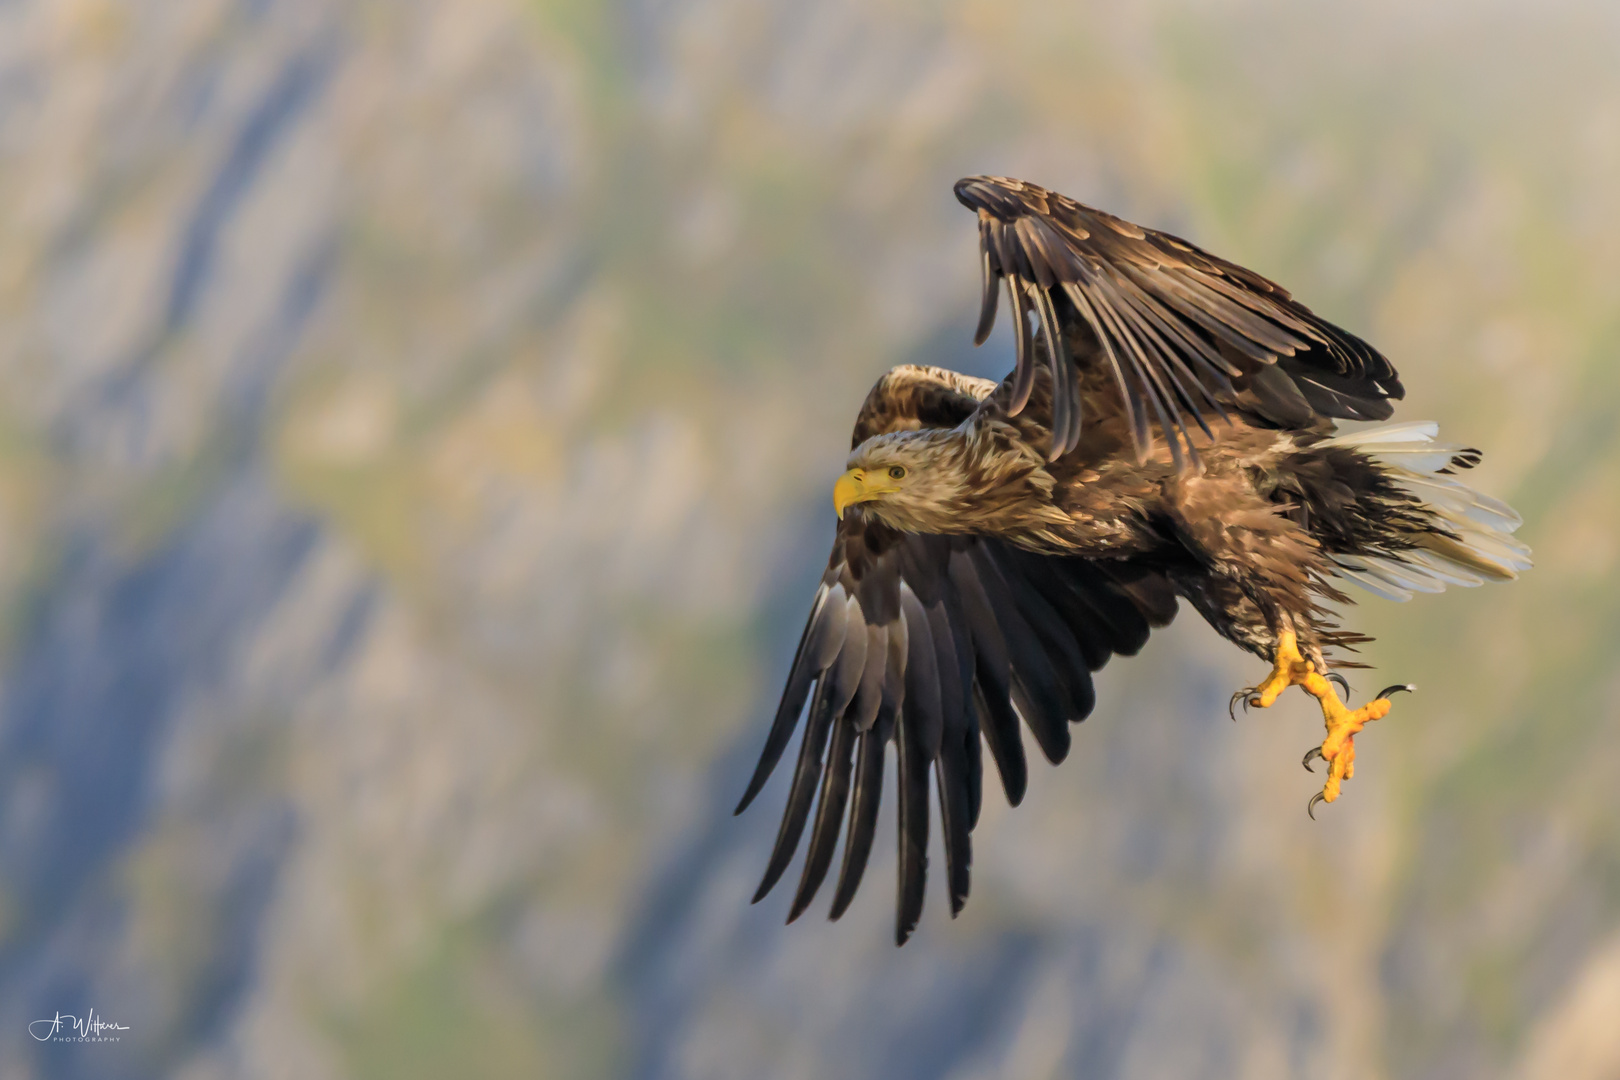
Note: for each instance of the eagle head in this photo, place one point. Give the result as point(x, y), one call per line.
point(913, 480)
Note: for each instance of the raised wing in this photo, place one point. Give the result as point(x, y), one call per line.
point(930, 643)
point(1185, 334)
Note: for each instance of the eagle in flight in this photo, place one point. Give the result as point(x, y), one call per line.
point(1168, 430)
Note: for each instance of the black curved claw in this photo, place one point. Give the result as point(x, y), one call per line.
point(1317, 798)
point(1243, 696)
point(1396, 689)
point(1344, 687)
point(1310, 755)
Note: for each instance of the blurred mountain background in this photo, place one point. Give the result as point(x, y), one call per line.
point(417, 423)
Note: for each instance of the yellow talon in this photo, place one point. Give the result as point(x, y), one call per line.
point(1338, 749)
point(1287, 670)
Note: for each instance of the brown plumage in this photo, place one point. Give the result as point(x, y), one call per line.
point(1167, 431)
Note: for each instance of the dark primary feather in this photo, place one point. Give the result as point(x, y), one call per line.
point(1035, 690)
point(863, 812)
point(933, 643)
point(824, 837)
point(912, 777)
point(823, 636)
point(1182, 332)
point(992, 680)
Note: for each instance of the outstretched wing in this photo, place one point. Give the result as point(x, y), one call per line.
point(1184, 333)
point(929, 643)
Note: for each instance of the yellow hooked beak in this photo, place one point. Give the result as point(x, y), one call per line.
point(849, 490)
point(858, 486)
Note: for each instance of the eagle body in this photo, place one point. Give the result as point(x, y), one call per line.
point(1246, 538)
point(1170, 431)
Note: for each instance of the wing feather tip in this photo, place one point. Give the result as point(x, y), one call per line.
point(755, 786)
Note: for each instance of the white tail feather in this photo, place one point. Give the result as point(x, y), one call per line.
point(1374, 585)
point(1484, 548)
point(1421, 431)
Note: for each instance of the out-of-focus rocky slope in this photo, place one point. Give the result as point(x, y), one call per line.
point(415, 427)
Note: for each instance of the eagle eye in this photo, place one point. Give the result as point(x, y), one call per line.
point(897, 472)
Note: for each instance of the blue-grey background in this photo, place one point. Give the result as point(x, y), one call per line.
point(417, 422)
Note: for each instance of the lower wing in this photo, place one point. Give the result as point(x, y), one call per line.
point(929, 642)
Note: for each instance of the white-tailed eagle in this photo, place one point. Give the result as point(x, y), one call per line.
point(1167, 431)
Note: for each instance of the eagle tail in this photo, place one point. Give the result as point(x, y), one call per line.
point(1471, 540)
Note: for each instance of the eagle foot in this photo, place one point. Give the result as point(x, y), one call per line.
point(1338, 749)
point(1287, 668)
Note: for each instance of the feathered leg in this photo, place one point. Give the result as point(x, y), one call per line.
point(1259, 582)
